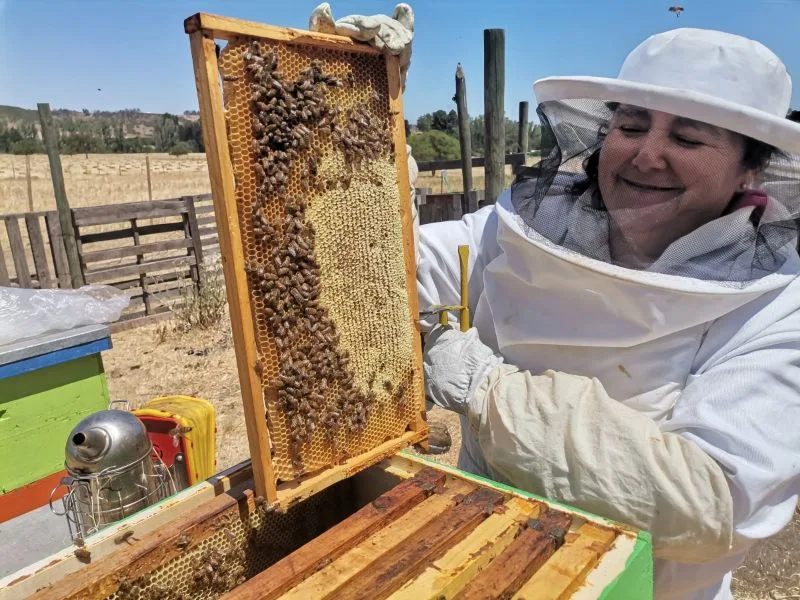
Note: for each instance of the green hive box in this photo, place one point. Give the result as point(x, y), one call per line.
point(47, 385)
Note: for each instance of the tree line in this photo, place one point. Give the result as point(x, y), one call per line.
point(105, 135)
point(436, 136)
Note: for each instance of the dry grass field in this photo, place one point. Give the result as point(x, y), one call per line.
point(194, 355)
point(100, 179)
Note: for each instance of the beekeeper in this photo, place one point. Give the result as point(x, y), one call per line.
point(636, 341)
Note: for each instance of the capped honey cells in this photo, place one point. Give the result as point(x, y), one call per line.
point(318, 206)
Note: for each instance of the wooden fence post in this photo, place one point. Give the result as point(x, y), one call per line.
point(50, 137)
point(464, 136)
point(28, 179)
point(149, 182)
point(522, 136)
point(494, 115)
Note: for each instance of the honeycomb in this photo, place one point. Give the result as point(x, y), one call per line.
point(237, 549)
point(318, 204)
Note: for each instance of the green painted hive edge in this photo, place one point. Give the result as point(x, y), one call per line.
point(636, 581)
point(512, 490)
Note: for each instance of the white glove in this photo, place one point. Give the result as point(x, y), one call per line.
point(392, 35)
point(561, 436)
point(454, 363)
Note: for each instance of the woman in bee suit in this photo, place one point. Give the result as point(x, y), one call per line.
point(636, 341)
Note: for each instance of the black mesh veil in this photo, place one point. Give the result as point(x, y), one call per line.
point(655, 192)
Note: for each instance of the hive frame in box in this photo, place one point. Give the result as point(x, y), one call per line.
point(203, 30)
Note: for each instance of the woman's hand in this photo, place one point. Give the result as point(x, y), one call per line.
point(454, 364)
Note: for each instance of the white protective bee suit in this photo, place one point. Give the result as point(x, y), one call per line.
point(668, 397)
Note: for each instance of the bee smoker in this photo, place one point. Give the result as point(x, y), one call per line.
point(112, 472)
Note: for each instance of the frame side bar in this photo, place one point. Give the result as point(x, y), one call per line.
point(220, 170)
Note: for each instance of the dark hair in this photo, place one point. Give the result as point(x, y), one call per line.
point(793, 115)
point(757, 154)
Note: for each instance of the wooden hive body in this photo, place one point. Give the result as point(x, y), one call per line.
point(404, 528)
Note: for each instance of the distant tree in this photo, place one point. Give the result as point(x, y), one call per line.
point(452, 123)
point(27, 146)
point(166, 132)
point(86, 112)
point(534, 137)
point(82, 142)
point(440, 121)
point(477, 135)
point(28, 131)
point(181, 148)
point(118, 144)
point(512, 136)
point(139, 144)
point(425, 122)
point(192, 133)
point(8, 136)
point(434, 145)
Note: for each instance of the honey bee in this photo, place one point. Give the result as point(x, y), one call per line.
point(83, 554)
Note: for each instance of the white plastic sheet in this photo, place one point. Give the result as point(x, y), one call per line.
point(26, 313)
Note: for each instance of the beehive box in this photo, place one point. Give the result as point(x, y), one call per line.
point(306, 151)
point(404, 528)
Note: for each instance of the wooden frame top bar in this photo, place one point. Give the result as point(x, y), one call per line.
point(226, 28)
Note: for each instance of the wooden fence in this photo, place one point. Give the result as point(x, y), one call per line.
point(32, 265)
point(148, 249)
point(152, 250)
point(517, 161)
point(434, 208)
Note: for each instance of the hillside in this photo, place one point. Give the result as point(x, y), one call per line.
point(136, 121)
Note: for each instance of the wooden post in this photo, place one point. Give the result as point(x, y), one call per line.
point(522, 136)
point(28, 179)
point(494, 116)
point(64, 214)
point(149, 182)
point(464, 137)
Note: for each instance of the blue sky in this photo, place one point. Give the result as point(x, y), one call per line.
point(61, 51)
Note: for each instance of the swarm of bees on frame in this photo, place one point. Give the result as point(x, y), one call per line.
point(315, 386)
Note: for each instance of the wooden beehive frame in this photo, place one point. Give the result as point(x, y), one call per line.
point(203, 30)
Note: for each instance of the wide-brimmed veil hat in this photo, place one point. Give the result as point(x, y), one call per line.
point(710, 76)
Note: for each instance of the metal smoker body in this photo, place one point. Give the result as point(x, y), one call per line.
point(112, 472)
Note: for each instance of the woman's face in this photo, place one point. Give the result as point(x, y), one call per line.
point(663, 176)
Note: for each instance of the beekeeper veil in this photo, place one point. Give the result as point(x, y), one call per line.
point(684, 165)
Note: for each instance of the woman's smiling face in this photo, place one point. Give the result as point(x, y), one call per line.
point(663, 176)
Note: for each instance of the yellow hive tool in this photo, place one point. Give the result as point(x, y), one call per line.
point(463, 308)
